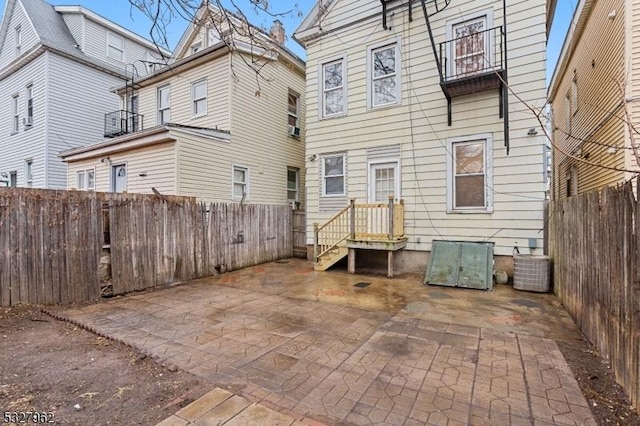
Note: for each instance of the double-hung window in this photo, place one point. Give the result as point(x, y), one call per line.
point(15, 110)
point(240, 182)
point(384, 75)
point(333, 174)
point(86, 180)
point(196, 47)
point(199, 98)
point(294, 109)
point(18, 39)
point(293, 185)
point(470, 47)
point(28, 173)
point(164, 104)
point(29, 117)
point(115, 47)
point(333, 88)
point(469, 174)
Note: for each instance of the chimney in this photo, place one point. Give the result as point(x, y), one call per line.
point(277, 32)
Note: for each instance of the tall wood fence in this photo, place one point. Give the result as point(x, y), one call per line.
point(594, 246)
point(53, 242)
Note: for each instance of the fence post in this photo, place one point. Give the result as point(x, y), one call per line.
point(390, 217)
point(315, 242)
point(352, 218)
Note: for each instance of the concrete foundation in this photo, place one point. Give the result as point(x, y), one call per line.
point(406, 261)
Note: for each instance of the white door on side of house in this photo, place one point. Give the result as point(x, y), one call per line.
point(384, 181)
point(119, 178)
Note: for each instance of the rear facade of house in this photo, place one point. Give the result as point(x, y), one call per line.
point(383, 121)
point(57, 68)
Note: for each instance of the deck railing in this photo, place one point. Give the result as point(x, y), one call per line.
point(376, 221)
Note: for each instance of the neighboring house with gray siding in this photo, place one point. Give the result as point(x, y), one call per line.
point(58, 67)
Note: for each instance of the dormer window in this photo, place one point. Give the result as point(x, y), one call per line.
point(18, 39)
point(115, 47)
point(196, 47)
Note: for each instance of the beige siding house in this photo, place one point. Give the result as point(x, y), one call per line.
point(595, 85)
point(206, 126)
point(391, 115)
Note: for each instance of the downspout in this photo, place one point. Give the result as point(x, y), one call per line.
point(505, 91)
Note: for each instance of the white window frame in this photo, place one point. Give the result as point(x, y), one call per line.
point(297, 113)
point(397, 183)
point(18, 39)
point(118, 46)
point(28, 172)
point(371, 50)
point(245, 169)
point(29, 106)
point(112, 176)
point(160, 108)
point(80, 180)
point(196, 47)
point(574, 95)
point(488, 173)
point(15, 114)
point(321, 91)
point(90, 187)
point(489, 55)
point(344, 175)
point(297, 172)
point(567, 113)
point(194, 100)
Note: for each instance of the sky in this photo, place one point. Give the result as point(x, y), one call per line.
point(120, 12)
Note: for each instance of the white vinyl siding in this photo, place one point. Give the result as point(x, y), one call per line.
point(164, 104)
point(419, 124)
point(199, 98)
point(18, 39)
point(333, 96)
point(384, 76)
point(115, 47)
point(152, 166)
point(27, 37)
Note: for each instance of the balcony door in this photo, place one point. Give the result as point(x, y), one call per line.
point(470, 48)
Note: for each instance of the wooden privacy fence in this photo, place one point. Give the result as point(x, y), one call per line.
point(53, 242)
point(594, 246)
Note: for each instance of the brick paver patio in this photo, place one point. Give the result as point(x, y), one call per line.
point(341, 364)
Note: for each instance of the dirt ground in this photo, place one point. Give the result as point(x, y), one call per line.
point(54, 367)
point(50, 366)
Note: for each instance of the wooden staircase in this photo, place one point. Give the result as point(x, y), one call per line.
point(359, 226)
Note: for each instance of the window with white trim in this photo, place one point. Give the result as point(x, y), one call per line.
point(199, 98)
point(18, 39)
point(384, 75)
point(240, 182)
point(28, 173)
point(333, 87)
point(164, 104)
point(333, 174)
point(29, 117)
point(115, 47)
point(294, 109)
point(574, 94)
point(15, 110)
point(196, 47)
point(567, 114)
point(80, 180)
point(293, 184)
point(471, 51)
point(469, 174)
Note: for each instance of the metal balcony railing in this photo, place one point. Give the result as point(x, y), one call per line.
point(118, 123)
point(477, 59)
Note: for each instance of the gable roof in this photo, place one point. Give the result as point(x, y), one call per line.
point(313, 18)
point(197, 22)
point(48, 24)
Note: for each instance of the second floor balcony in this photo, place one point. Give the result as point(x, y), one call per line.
point(121, 122)
point(473, 61)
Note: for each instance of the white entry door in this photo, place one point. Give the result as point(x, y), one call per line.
point(384, 180)
point(119, 178)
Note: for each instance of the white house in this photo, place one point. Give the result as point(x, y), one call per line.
point(425, 102)
point(58, 65)
point(208, 125)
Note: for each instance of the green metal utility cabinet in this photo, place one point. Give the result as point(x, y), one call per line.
point(461, 264)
